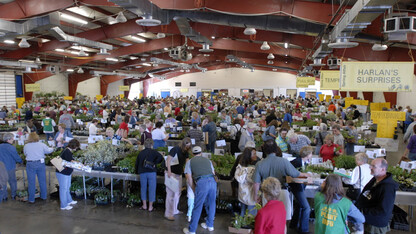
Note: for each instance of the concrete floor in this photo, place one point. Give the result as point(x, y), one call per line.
point(46, 217)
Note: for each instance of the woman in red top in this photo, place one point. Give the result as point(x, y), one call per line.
point(123, 130)
point(272, 217)
point(329, 150)
point(332, 107)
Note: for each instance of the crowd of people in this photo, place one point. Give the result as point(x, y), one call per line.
point(254, 179)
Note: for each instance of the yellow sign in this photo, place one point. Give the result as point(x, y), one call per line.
point(184, 90)
point(68, 98)
point(377, 76)
point(121, 96)
point(337, 97)
point(387, 122)
point(124, 88)
point(304, 82)
point(99, 97)
point(379, 106)
point(356, 102)
point(140, 95)
point(321, 97)
point(20, 102)
point(329, 80)
point(328, 98)
point(349, 98)
point(32, 87)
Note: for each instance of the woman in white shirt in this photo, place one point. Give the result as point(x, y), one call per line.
point(93, 128)
point(362, 170)
point(159, 137)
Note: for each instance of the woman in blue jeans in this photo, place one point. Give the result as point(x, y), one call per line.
point(146, 167)
point(35, 166)
point(64, 176)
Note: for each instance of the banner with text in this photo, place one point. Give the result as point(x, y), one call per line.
point(387, 122)
point(304, 82)
point(377, 76)
point(124, 88)
point(378, 106)
point(99, 97)
point(329, 80)
point(32, 87)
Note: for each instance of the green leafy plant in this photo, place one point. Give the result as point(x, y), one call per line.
point(127, 164)
point(223, 164)
point(133, 200)
point(345, 161)
point(244, 222)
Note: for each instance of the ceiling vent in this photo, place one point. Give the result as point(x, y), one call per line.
point(400, 24)
point(317, 62)
point(148, 21)
point(205, 48)
point(342, 43)
point(103, 52)
point(333, 62)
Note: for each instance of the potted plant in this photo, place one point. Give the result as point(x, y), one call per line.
point(101, 198)
point(133, 200)
point(244, 224)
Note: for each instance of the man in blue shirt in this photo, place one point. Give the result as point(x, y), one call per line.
point(9, 156)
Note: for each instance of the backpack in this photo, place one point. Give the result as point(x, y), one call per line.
point(238, 135)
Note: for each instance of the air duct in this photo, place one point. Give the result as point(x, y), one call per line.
point(62, 36)
point(35, 25)
point(18, 64)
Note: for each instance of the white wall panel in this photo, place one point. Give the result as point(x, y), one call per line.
point(113, 88)
point(89, 87)
point(58, 82)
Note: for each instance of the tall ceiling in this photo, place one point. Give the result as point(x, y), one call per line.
point(293, 29)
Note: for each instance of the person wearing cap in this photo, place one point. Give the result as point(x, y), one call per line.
point(246, 136)
point(201, 179)
point(67, 119)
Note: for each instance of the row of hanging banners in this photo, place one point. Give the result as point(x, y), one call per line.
point(368, 77)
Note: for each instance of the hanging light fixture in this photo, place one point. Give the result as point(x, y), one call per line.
point(23, 43)
point(37, 61)
point(121, 18)
point(80, 71)
point(148, 19)
point(160, 35)
point(250, 31)
point(270, 56)
point(82, 53)
point(265, 46)
point(270, 62)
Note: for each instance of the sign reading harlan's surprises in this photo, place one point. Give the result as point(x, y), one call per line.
point(304, 82)
point(377, 76)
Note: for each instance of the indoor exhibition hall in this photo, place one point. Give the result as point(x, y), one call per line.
point(207, 116)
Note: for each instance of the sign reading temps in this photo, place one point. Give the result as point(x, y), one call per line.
point(329, 80)
point(124, 88)
point(377, 76)
point(304, 82)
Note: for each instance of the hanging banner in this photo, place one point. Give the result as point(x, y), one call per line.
point(304, 82)
point(378, 106)
point(99, 97)
point(121, 96)
point(69, 98)
point(20, 102)
point(349, 98)
point(377, 76)
point(387, 122)
point(328, 98)
point(321, 97)
point(356, 102)
point(124, 88)
point(32, 87)
point(329, 80)
point(337, 97)
point(184, 90)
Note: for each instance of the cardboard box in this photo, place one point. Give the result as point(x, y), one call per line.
point(239, 230)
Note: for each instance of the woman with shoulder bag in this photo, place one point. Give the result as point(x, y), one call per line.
point(146, 167)
point(243, 174)
point(64, 176)
point(360, 176)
